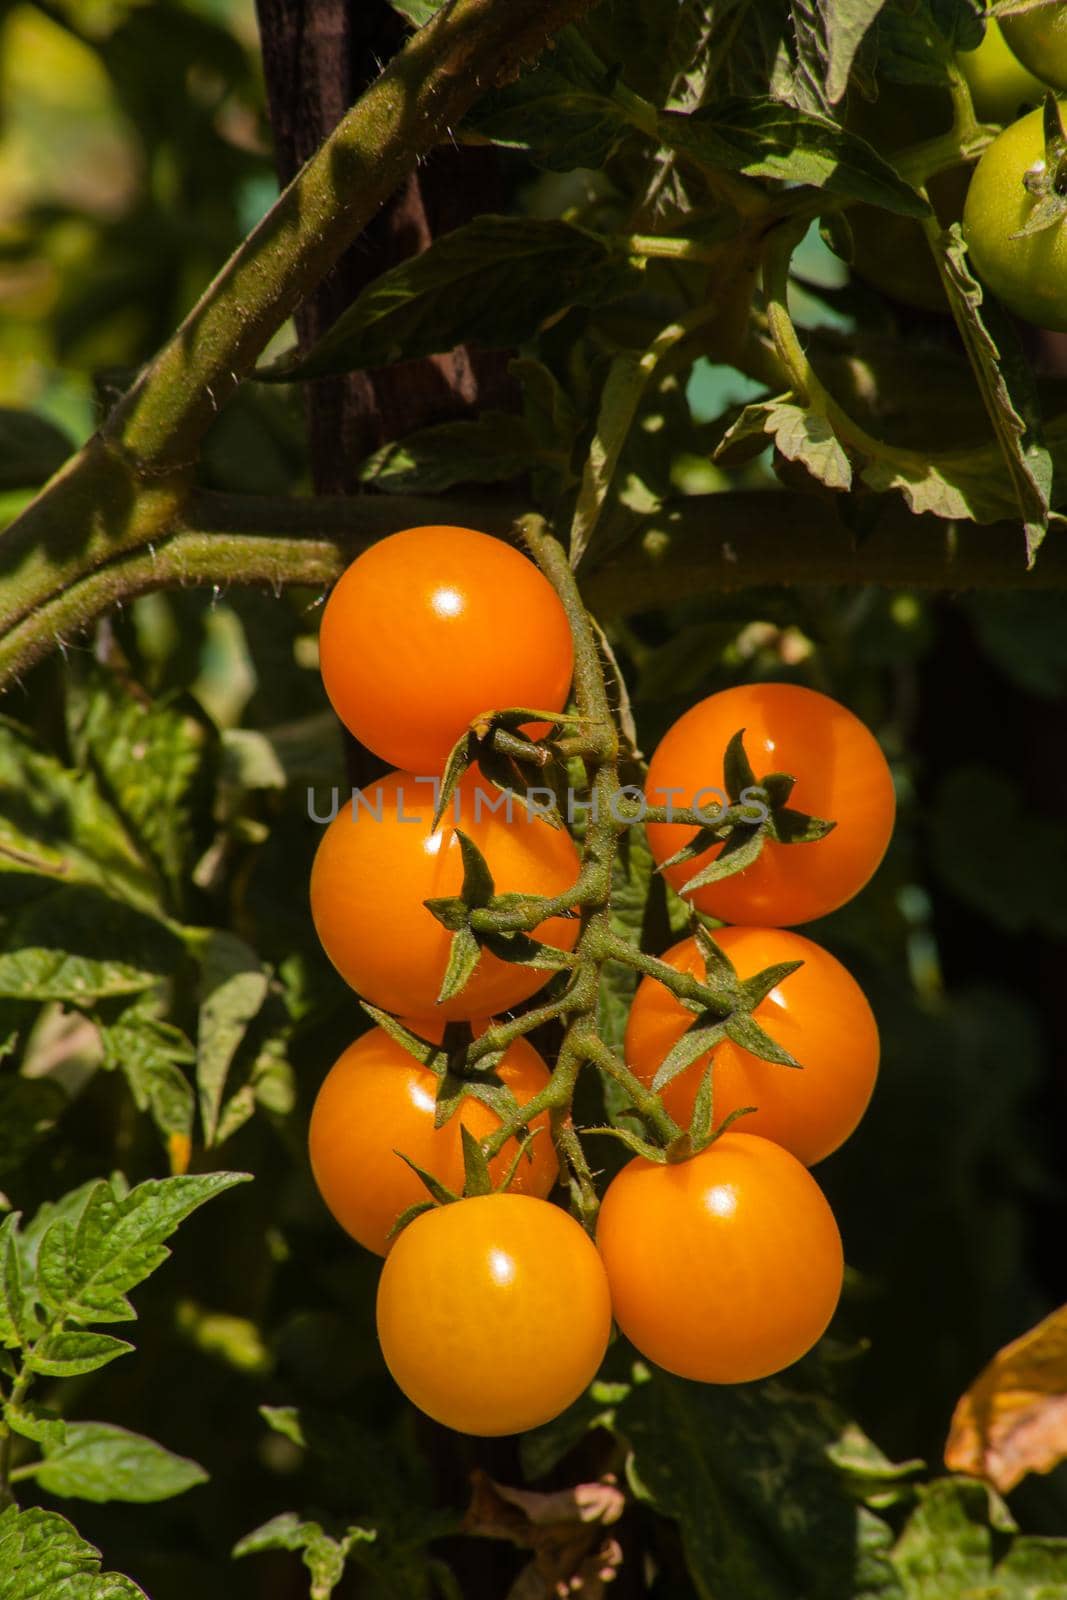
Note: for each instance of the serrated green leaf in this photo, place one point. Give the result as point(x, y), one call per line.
point(560, 125)
point(955, 1543)
point(233, 988)
point(286, 1421)
point(70, 1352)
point(157, 762)
point(78, 945)
point(494, 447)
point(764, 138)
point(29, 1109)
point(14, 1327)
point(56, 825)
point(150, 1053)
point(799, 433)
point(43, 1558)
point(101, 1462)
point(323, 1556)
point(743, 1469)
point(491, 283)
point(35, 1422)
point(86, 1265)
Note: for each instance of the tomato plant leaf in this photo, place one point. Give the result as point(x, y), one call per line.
point(496, 446)
point(35, 1422)
point(99, 1461)
point(559, 123)
point(323, 1556)
point(151, 1052)
point(70, 1352)
point(827, 38)
point(15, 1327)
point(233, 987)
point(764, 138)
point(42, 1554)
point(490, 283)
point(78, 945)
point(89, 1259)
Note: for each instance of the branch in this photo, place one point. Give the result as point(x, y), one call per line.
point(704, 544)
point(125, 488)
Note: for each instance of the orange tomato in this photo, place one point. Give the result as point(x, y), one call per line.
point(493, 1313)
point(841, 775)
point(373, 871)
point(723, 1268)
point(377, 1100)
point(432, 626)
point(819, 1014)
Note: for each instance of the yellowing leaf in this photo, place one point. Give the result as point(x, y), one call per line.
point(1013, 1419)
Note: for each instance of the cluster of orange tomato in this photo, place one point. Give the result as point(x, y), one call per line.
point(494, 1311)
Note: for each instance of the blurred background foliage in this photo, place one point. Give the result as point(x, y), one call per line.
point(177, 747)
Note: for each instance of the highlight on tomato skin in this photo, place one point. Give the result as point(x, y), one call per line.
point(377, 1104)
point(841, 776)
point(377, 864)
point(493, 1313)
point(724, 1268)
point(429, 628)
point(818, 1013)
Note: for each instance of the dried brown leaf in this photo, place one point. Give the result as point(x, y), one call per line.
point(1013, 1418)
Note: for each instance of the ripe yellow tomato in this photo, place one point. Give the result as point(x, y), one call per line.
point(374, 869)
point(841, 775)
point(377, 1100)
point(493, 1313)
point(819, 1014)
point(429, 628)
point(723, 1268)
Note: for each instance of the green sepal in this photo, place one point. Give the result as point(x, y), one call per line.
point(429, 1055)
point(787, 826)
point(703, 1118)
point(525, 951)
point(521, 1154)
point(746, 1032)
point(477, 1179)
point(478, 886)
point(455, 1087)
point(737, 769)
point(741, 849)
point(756, 989)
point(464, 954)
point(777, 786)
point(409, 1215)
point(703, 839)
point(633, 1142)
point(719, 970)
point(460, 758)
point(695, 1041)
point(1048, 183)
point(441, 1194)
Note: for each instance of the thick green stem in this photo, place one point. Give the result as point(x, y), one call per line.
point(125, 488)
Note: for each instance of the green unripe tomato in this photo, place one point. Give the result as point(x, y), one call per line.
point(1029, 275)
point(1001, 87)
point(1039, 39)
